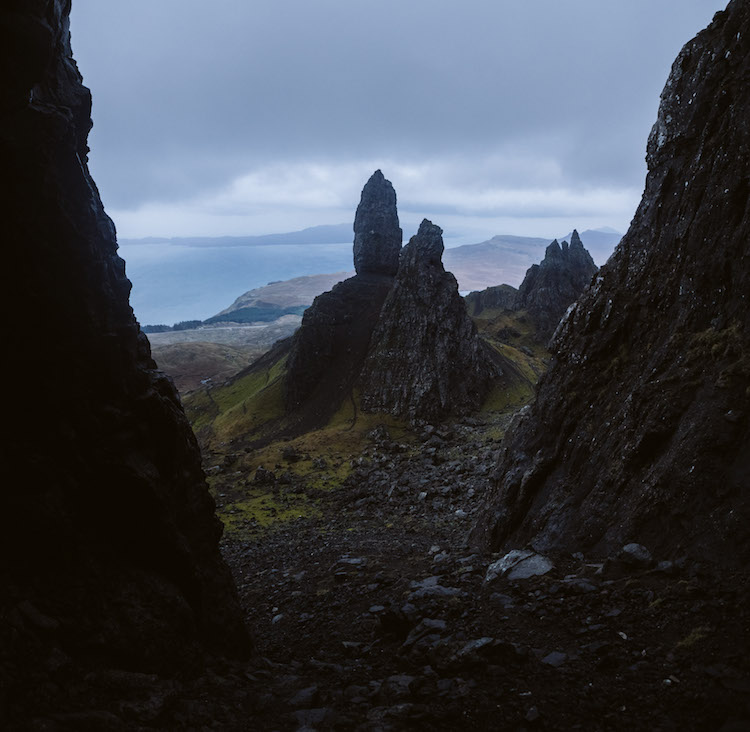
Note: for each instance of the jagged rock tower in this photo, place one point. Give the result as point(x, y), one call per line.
point(551, 286)
point(426, 360)
point(641, 429)
point(329, 348)
point(108, 538)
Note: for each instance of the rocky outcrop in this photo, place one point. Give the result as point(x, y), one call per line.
point(377, 235)
point(552, 286)
point(405, 344)
point(640, 429)
point(548, 289)
point(108, 539)
point(426, 360)
point(329, 349)
point(500, 297)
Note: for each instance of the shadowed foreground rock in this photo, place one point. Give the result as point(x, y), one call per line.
point(426, 359)
point(640, 429)
point(108, 540)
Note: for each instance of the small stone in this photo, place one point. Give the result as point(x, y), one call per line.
point(555, 659)
point(519, 564)
point(635, 555)
point(304, 698)
point(498, 598)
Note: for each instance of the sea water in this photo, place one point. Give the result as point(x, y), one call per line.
point(174, 282)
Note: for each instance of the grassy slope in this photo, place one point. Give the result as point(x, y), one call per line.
point(191, 364)
point(242, 426)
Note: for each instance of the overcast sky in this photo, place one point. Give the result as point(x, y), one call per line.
point(489, 116)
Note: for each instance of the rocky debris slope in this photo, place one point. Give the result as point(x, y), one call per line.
point(328, 350)
point(640, 429)
point(377, 235)
point(552, 286)
point(109, 544)
point(377, 615)
point(426, 360)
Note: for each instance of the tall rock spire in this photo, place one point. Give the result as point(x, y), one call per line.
point(377, 235)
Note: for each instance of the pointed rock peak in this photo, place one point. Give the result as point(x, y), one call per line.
point(377, 235)
point(553, 250)
point(575, 240)
point(429, 242)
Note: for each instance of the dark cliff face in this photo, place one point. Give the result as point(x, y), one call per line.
point(329, 348)
point(426, 360)
point(331, 344)
point(108, 530)
point(377, 235)
point(640, 429)
point(550, 287)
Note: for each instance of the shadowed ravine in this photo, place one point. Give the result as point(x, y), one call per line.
point(400, 568)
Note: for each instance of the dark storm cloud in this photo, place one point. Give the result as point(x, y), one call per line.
point(192, 96)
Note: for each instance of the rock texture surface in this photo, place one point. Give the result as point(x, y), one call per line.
point(377, 235)
point(640, 430)
point(108, 543)
point(330, 347)
point(426, 360)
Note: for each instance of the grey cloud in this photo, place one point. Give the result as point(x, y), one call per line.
point(188, 95)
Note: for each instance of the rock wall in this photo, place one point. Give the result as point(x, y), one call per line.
point(108, 538)
point(426, 360)
point(640, 429)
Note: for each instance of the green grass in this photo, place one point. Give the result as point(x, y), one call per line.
point(259, 510)
point(241, 408)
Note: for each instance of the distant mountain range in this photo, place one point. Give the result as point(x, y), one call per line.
point(326, 234)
